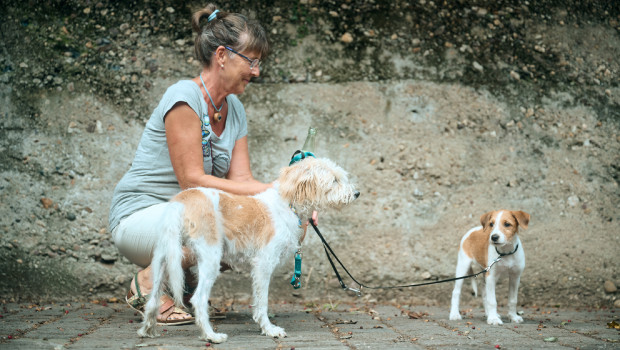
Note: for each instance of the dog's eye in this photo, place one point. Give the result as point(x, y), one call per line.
point(507, 224)
point(491, 224)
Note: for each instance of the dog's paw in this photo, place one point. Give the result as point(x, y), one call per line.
point(454, 316)
point(145, 332)
point(215, 337)
point(274, 331)
point(515, 318)
point(494, 320)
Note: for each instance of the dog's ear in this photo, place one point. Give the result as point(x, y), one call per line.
point(296, 182)
point(485, 218)
point(522, 218)
point(287, 186)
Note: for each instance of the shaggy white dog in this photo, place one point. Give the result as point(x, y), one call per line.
point(255, 231)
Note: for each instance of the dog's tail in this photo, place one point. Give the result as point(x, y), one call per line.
point(172, 246)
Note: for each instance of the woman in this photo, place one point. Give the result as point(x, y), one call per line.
point(197, 136)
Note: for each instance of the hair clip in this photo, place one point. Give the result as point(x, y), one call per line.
point(212, 16)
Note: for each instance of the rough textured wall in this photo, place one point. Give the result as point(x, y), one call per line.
point(442, 114)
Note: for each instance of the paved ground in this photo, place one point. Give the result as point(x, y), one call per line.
point(114, 325)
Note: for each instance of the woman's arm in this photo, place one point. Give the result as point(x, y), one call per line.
point(184, 138)
point(240, 162)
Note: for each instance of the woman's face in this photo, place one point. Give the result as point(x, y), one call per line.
point(239, 71)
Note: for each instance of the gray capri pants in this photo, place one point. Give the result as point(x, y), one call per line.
point(136, 235)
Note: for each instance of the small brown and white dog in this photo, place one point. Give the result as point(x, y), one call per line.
point(483, 244)
point(257, 232)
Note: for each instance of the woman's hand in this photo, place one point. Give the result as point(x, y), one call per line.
point(315, 218)
point(264, 186)
point(315, 221)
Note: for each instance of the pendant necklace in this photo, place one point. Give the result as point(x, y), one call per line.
point(217, 116)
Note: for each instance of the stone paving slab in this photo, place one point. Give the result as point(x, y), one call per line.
point(309, 326)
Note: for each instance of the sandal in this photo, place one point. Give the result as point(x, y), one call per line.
point(167, 308)
point(216, 313)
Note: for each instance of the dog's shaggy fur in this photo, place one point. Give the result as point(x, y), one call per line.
point(256, 231)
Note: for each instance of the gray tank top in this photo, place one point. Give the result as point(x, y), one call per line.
point(151, 179)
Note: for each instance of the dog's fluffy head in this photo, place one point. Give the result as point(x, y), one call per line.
point(316, 183)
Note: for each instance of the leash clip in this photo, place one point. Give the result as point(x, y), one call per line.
point(491, 265)
point(358, 292)
point(295, 281)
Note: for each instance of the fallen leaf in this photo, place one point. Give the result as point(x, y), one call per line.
point(416, 315)
point(339, 321)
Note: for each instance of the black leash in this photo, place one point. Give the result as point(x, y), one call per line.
point(329, 250)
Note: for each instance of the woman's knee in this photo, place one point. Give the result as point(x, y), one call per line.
point(136, 246)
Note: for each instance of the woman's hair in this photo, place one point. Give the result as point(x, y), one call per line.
point(226, 29)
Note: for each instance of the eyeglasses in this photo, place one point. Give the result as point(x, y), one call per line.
point(254, 63)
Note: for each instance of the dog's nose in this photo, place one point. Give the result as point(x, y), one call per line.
point(357, 194)
point(495, 237)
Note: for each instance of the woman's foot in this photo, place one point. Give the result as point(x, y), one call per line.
point(169, 314)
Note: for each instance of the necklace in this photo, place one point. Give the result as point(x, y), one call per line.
point(216, 116)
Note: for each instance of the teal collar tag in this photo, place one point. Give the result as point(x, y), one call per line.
point(295, 281)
